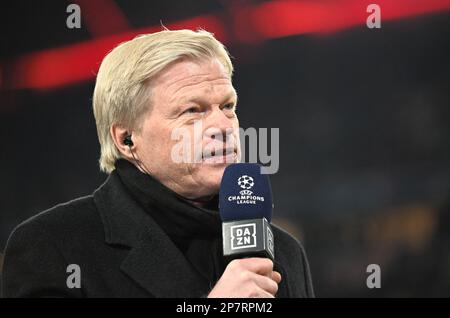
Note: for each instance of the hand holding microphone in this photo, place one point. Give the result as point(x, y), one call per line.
point(247, 278)
point(245, 205)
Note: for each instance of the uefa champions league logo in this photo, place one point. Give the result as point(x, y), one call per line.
point(246, 196)
point(246, 183)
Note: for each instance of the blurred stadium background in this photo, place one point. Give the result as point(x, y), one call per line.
point(363, 115)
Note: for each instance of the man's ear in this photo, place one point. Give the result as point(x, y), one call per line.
point(118, 135)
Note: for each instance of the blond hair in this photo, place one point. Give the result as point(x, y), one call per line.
point(122, 94)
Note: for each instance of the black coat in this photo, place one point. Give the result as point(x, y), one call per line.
point(121, 251)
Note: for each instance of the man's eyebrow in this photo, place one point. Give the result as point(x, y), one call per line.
point(201, 100)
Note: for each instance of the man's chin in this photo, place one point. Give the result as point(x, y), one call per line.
point(208, 177)
point(211, 176)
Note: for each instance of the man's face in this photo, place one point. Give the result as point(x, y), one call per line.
point(194, 101)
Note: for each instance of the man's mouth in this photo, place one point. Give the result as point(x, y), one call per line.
point(226, 155)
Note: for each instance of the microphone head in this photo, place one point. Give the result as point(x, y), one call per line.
point(245, 193)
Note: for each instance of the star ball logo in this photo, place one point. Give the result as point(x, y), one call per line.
point(246, 183)
point(246, 196)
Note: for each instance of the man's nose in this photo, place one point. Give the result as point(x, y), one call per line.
point(218, 124)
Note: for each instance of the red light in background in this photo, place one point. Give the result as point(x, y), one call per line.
point(285, 18)
point(103, 17)
point(80, 62)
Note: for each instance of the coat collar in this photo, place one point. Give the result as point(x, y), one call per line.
point(153, 262)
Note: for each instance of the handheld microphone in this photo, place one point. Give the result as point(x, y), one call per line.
point(245, 206)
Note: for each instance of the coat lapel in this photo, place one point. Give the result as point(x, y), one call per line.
point(153, 262)
point(158, 266)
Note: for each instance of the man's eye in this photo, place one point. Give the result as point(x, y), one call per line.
point(191, 110)
point(229, 106)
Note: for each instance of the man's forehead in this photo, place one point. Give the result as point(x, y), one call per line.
point(186, 73)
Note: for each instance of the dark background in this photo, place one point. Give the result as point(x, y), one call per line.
point(364, 135)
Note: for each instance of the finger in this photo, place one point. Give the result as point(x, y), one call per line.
point(265, 283)
point(276, 276)
point(258, 265)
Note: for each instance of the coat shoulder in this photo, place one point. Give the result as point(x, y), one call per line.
point(75, 217)
point(39, 249)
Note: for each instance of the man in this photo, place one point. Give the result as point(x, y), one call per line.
point(152, 229)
